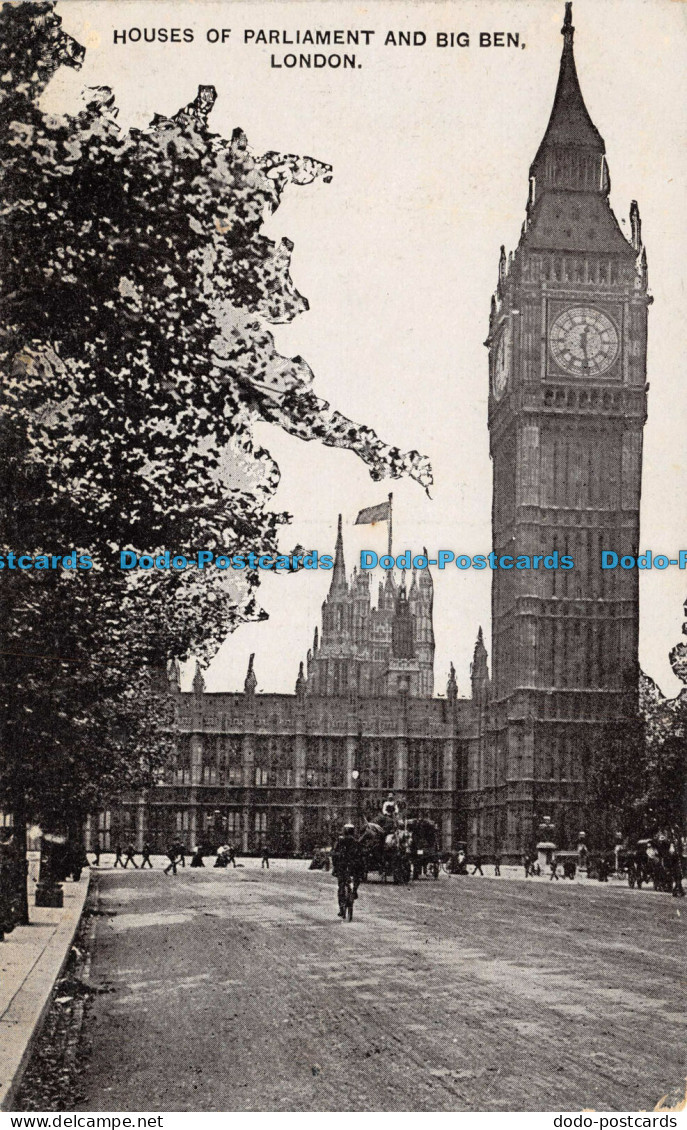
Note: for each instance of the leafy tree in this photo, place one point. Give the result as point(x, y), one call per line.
point(137, 295)
point(666, 727)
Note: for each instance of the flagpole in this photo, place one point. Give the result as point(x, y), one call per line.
point(391, 503)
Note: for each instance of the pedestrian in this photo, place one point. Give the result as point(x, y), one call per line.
point(348, 863)
point(230, 855)
point(477, 861)
point(172, 857)
point(96, 855)
point(118, 855)
point(265, 858)
point(526, 864)
point(554, 869)
point(145, 853)
point(197, 858)
point(130, 853)
point(180, 848)
point(497, 863)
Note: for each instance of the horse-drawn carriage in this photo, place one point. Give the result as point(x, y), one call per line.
point(401, 850)
point(657, 860)
point(386, 850)
point(425, 857)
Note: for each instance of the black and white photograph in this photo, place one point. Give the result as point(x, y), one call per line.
point(343, 576)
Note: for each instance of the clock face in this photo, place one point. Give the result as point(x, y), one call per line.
point(584, 341)
point(502, 359)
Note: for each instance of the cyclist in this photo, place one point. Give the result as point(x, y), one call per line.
point(347, 863)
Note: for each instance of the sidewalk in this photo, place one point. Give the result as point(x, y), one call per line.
point(31, 959)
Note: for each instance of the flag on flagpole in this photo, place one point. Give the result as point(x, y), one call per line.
point(379, 513)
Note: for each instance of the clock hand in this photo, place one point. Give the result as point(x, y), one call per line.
point(583, 342)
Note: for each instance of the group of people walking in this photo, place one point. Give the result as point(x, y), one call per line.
point(176, 855)
point(125, 856)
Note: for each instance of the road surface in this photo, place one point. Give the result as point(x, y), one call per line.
point(241, 990)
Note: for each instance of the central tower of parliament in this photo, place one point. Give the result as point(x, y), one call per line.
point(567, 405)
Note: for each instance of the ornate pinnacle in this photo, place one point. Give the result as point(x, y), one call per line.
point(568, 28)
point(250, 682)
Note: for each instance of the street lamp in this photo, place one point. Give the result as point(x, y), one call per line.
point(218, 827)
point(355, 774)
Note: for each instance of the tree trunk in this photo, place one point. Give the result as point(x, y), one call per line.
point(19, 815)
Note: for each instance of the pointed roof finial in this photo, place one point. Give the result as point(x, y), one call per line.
point(301, 681)
point(339, 575)
point(426, 575)
point(636, 226)
point(452, 685)
point(478, 667)
point(568, 28)
point(198, 680)
point(250, 682)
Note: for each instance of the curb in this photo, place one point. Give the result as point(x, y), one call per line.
point(22, 1022)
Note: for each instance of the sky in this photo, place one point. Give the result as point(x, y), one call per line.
point(398, 258)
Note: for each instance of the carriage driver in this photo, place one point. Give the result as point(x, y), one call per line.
point(347, 862)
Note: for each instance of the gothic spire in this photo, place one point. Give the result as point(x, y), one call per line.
point(636, 226)
point(198, 680)
point(479, 669)
point(452, 685)
point(338, 584)
point(425, 574)
point(174, 675)
point(250, 682)
point(572, 150)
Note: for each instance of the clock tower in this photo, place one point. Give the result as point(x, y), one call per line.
point(567, 405)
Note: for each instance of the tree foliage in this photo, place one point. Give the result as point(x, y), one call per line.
point(137, 295)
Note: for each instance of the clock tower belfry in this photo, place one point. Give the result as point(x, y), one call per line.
point(567, 405)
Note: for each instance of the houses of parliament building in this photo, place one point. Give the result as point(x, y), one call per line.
point(567, 406)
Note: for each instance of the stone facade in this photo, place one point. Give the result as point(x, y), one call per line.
point(567, 406)
point(288, 770)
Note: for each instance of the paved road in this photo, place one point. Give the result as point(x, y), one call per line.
point(242, 990)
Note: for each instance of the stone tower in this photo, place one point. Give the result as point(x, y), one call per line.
point(567, 405)
point(371, 652)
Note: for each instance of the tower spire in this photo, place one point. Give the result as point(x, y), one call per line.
point(339, 575)
point(479, 669)
point(452, 685)
point(198, 680)
point(571, 155)
point(250, 682)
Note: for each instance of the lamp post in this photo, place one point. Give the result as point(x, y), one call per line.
point(355, 774)
point(218, 828)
